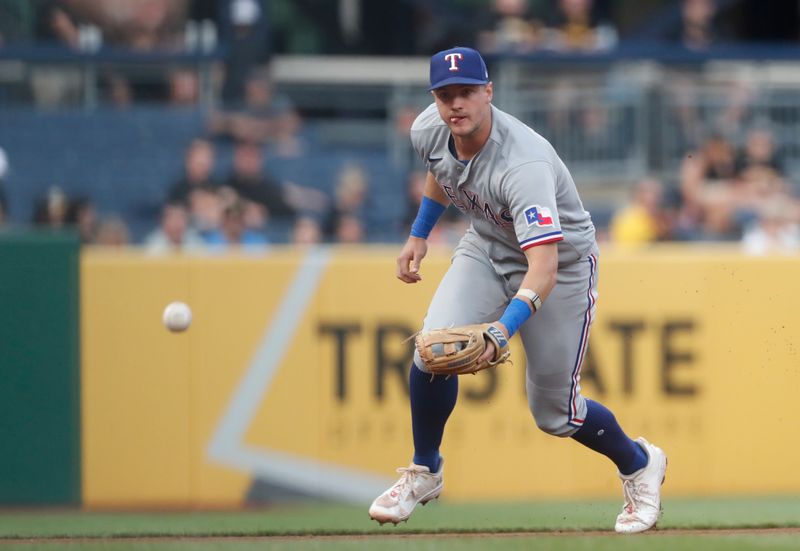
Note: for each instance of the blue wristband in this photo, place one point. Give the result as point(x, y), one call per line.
point(515, 315)
point(427, 216)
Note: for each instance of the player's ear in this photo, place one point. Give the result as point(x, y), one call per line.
point(489, 91)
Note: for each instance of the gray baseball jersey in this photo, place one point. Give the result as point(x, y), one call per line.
point(518, 194)
point(517, 191)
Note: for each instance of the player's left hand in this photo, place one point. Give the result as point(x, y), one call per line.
point(458, 350)
point(488, 354)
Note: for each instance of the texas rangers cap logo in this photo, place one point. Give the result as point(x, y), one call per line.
point(453, 58)
point(536, 215)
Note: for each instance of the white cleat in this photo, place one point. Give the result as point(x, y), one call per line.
point(642, 491)
point(416, 485)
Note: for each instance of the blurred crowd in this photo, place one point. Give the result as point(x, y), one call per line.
point(246, 210)
point(521, 26)
point(723, 194)
point(732, 184)
point(237, 28)
point(243, 34)
point(260, 27)
point(525, 26)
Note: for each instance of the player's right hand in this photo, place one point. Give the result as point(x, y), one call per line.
point(410, 259)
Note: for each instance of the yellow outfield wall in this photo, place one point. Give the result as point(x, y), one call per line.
point(294, 373)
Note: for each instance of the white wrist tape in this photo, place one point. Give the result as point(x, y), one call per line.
point(532, 296)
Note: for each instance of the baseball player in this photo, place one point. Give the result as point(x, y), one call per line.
point(528, 265)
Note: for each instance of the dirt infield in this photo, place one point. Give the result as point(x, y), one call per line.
point(215, 538)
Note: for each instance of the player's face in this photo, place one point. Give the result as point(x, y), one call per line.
point(465, 108)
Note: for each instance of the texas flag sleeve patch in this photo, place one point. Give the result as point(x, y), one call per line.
point(540, 218)
point(537, 215)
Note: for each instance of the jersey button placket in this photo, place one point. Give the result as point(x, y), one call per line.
point(463, 173)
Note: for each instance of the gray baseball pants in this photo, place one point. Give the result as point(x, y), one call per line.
point(555, 338)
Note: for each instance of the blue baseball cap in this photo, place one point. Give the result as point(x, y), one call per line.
point(458, 66)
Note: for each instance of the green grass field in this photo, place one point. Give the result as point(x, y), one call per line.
point(708, 524)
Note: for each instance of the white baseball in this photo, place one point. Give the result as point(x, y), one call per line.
point(177, 316)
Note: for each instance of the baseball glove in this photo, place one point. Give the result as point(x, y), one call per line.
point(456, 351)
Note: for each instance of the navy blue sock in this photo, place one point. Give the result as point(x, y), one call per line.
point(602, 433)
point(432, 401)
